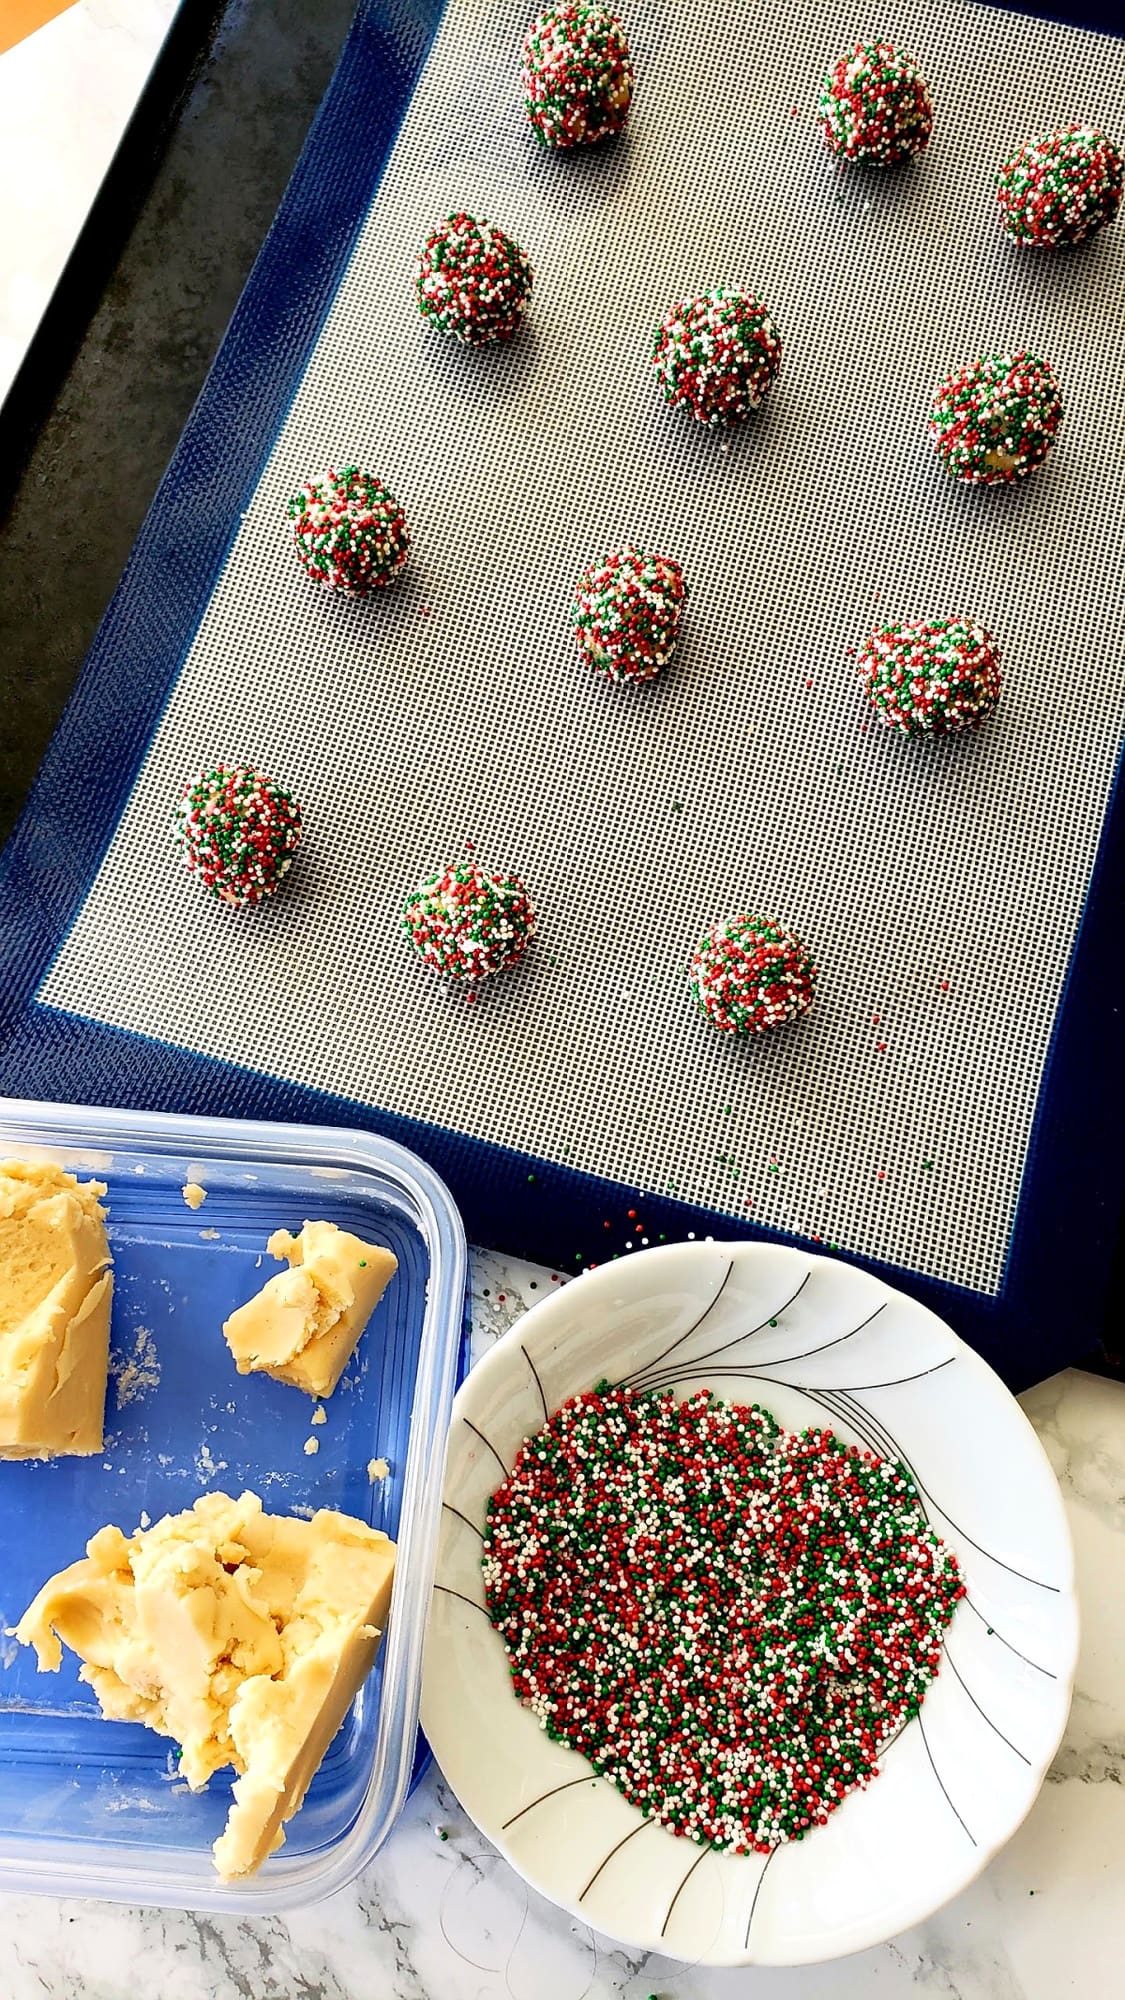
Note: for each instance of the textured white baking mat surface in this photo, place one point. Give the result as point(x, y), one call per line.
point(940, 884)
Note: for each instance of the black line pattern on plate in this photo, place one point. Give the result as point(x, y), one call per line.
point(694, 1328)
point(959, 1677)
point(845, 1398)
point(941, 1780)
point(451, 1509)
point(808, 1352)
point(488, 1445)
point(693, 1366)
point(994, 1632)
point(585, 1779)
point(897, 1381)
point(684, 1371)
point(757, 1892)
point(538, 1383)
point(683, 1885)
point(623, 1842)
point(471, 1601)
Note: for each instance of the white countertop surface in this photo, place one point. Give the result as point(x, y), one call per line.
point(67, 92)
point(445, 1919)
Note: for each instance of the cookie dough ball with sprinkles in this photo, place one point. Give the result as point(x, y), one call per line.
point(749, 974)
point(925, 679)
point(627, 613)
point(1061, 188)
point(472, 281)
point(577, 75)
point(717, 355)
point(467, 921)
point(996, 419)
point(875, 106)
point(349, 532)
point(238, 832)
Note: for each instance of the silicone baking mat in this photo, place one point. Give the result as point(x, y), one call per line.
point(942, 885)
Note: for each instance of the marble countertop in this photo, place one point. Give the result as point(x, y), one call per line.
point(440, 1914)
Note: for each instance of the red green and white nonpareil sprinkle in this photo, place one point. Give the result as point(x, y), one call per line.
point(577, 75)
point(717, 355)
point(750, 973)
point(931, 677)
point(627, 613)
point(996, 419)
point(1060, 188)
point(727, 1619)
point(467, 921)
point(349, 532)
point(238, 832)
point(875, 106)
point(471, 280)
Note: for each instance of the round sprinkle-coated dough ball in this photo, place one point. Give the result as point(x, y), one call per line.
point(627, 613)
point(472, 281)
point(995, 420)
point(238, 832)
point(577, 75)
point(926, 678)
point(749, 974)
point(349, 532)
point(1060, 188)
point(716, 355)
point(875, 105)
point(467, 921)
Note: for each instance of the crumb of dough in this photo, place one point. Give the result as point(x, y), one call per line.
point(377, 1468)
point(312, 1446)
point(319, 1415)
point(193, 1194)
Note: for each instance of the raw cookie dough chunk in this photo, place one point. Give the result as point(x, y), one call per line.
point(996, 420)
point(242, 1635)
point(349, 532)
point(875, 106)
point(928, 678)
point(472, 281)
point(1061, 188)
point(56, 1285)
point(749, 974)
point(717, 355)
point(467, 921)
point(302, 1327)
point(577, 76)
point(238, 832)
point(627, 613)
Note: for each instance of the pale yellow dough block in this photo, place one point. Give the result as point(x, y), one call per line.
point(56, 1287)
point(242, 1635)
point(302, 1327)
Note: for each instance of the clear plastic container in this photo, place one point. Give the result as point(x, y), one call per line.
point(95, 1808)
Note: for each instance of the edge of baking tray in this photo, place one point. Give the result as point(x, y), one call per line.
point(1055, 1294)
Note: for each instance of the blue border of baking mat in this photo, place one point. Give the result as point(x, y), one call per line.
point(1055, 1294)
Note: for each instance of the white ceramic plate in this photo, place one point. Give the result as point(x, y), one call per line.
point(814, 1341)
